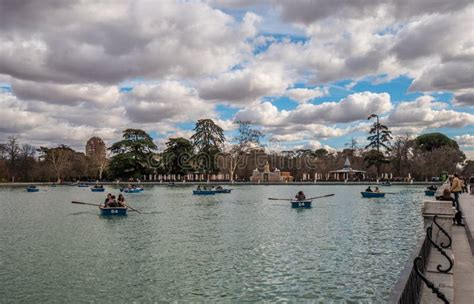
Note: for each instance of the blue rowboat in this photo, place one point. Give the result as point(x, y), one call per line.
point(301, 204)
point(106, 211)
point(32, 189)
point(204, 192)
point(83, 185)
point(132, 190)
point(97, 189)
point(372, 194)
point(222, 190)
point(430, 192)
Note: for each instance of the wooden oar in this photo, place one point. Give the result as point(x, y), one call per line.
point(82, 203)
point(327, 195)
point(311, 198)
point(97, 205)
point(132, 208)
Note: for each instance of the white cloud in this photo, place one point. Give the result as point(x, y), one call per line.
point(246, 85)
point(165, 101)
point(106, 42)
point(303, 95)
point(354, 107)
point(466, 140)
point(425, 113)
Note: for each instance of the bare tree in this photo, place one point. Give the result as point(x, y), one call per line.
point(247, 140)
point(60, 158)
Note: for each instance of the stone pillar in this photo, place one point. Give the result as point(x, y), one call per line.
point(445, 212)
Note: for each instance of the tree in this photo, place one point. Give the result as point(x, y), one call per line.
point(177, 156)
point(132, 154)
point(400, 154)
point(26, 162)
point(61, 158)
point(11, 151)
point(433, 141)
point(435, 153)
point(246, 140)
point(380, 137)
point(208, 140)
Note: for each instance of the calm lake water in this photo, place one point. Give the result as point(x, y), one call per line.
point(228, 247)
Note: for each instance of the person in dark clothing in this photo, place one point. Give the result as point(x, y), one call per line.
point(300, 196)
point(368, 189)
point(107, 199)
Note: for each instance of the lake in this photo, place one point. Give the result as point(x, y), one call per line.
point(227, 247)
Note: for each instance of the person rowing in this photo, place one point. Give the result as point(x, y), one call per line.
point(300, 196)
point(121, 200)
point(368, 189)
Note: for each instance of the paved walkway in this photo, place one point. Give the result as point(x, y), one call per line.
point(467, 206)
point(458, 284)
point(463, 250)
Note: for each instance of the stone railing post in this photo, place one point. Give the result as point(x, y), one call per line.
point(445, 212)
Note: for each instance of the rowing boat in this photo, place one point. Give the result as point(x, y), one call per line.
point(32, 189)
point(97, 189)
point(222, 190)
point(132, 190)
point(372, 194)
point(430, 192)
point(106, 211)
point(301, 204)
point(204, 192)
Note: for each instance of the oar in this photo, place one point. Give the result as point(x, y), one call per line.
point(97, 205)
point(82, 203)
point(132, 208)
point(327, 195)
point(311, 198)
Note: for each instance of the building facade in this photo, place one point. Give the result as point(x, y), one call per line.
point(95, 148)
point(268, 176)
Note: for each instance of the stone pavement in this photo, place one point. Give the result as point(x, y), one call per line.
point(463, 249)
point(458, 284)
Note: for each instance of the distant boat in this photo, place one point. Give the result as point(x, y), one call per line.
point(222, 190)
point(32, 189)
point(97, 189)
point(106, 211)
point(204, 192)
point(430, 192)
point(372, 194)
point(82, 185)
point(131, 190)
point(301, 204)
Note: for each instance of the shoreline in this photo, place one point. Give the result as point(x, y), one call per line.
point(227, 183)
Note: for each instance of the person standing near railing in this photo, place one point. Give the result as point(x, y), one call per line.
point(456, 188)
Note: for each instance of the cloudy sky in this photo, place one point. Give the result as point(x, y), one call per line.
point(307, 73)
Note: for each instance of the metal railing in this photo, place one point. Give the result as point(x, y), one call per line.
point(409, 286)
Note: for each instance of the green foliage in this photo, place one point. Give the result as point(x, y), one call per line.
point(433, 141)
point(133, 154)
point(208, 136)
point(380, 137)
point(208, 140)
point(374, 158)
point(321, 153)
point(177, 156)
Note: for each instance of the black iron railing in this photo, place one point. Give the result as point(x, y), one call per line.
point(408, 288)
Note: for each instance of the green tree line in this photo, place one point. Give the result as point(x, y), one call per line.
point(208, 152)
